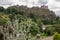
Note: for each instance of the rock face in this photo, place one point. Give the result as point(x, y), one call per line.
point(41, 12)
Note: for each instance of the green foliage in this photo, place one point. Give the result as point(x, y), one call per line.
point(2, 9)
point(21, 12)
point(57, 27)
point(54, 22)
point(33, 21)
point(12, 16)
point(11, 10)
point(2, 21)
point(34, 29)
point(58, 21)
point(56, 36)
point(43, 35)
point(33, 17)
point(50, 30)
point(30, 26)
point(57, 18)
point(29, 20)
point(46, 21)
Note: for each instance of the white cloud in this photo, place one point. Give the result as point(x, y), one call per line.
point(54, 5)
point(19, 2)
point(43, 2)
point(29, 3)
point(58, 0)
point(6, 2)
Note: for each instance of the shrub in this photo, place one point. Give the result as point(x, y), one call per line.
point(56, 36)
point(1, 9)
point(2, 21)
point(57, 27)
point(34, 29)
point(50, 30)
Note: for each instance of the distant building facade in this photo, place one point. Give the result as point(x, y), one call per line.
point(45, 7)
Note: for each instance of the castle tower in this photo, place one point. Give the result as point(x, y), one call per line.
point(45, 7)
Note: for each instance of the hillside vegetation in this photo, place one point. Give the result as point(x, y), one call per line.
point(23, 23)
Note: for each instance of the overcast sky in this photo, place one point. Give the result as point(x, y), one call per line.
point(52, 4)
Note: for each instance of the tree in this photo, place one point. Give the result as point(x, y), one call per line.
point(57, 27)
point(11, 10)
point(21, 12)
point(46, 21)
point(2, 21)
point(2, 9)
point(57, 18)
point(34, 29)
point(30, 26)
point(56, 36)
point(33, 17)
point(50, 30)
